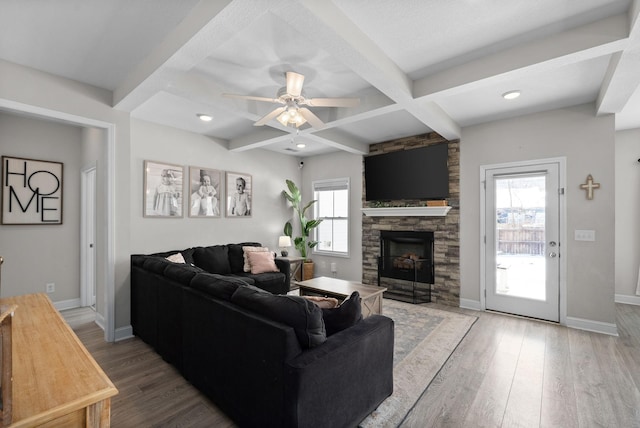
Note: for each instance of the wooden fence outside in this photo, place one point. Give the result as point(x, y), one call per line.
point(521, 240)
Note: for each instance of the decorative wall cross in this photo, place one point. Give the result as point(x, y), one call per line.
point(589, 186)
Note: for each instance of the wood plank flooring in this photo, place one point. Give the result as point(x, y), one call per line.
point(507, 372)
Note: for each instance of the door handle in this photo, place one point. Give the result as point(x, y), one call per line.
point(552, 254)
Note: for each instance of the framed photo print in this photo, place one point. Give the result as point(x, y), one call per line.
point(239, 194)
point(31, 191)
point(205, 195)
point(162, 189)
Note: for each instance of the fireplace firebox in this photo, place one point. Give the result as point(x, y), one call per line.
point(406, 262)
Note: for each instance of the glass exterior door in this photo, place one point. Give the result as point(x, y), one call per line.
point(522, 248)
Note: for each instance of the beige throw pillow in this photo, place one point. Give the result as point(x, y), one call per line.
point(176, 258)
point(261, 262)
point(323, 302)
point(247, 264)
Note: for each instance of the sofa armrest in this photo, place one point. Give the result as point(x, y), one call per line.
point(343, 380)
point(285, 268)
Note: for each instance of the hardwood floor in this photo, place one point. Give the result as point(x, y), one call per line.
point(507, 372)
point(513, 372)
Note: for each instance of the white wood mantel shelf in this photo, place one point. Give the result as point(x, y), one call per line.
point(406, 211)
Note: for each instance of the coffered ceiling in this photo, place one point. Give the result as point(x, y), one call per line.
point(416, 65)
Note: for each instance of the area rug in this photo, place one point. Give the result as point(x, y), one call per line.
point(425, 337)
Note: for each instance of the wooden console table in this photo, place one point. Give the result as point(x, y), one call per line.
point(56, 382)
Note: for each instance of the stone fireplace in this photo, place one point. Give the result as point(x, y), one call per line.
point(439, 279)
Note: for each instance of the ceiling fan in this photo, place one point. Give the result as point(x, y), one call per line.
point(293, 99)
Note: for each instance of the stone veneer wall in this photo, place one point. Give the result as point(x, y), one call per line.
point(446, 287)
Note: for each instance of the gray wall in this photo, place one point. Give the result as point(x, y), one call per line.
point(627, 214)
point(338, 165)
point(587, 142)
point(269, 170)
point(39, 254)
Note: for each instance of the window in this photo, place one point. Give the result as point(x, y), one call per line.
point(333, 208)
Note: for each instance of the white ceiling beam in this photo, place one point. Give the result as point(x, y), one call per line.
point(623, 75)
point(264, 136)
point(337, 140)
point(339, 36)
point(604, 37)
point(209, 23)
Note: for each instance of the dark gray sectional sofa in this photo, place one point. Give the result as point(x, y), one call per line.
point(262, 358)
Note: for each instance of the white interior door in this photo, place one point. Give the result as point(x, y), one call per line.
point(522, 248)
point(88, 251)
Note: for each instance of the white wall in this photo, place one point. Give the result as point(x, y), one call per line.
point(268, 169)
point(40, 94)
point(587, 142)
point(627, 234)
point(338, 165)
point(39, 254)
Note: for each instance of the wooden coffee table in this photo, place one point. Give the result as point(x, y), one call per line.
point(341, 289)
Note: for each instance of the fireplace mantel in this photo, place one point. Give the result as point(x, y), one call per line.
point(406, 211)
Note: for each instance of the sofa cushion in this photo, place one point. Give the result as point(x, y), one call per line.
point(303, 315)
point(344, 316)
point(236, 255)
point(273, 282)
point(213, 259)
point(247, 250)
point(261, 262)
point(156, 264)
point(182, 273)
point(218, 286)
point(246, 277)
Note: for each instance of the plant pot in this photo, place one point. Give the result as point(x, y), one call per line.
point(307, 270)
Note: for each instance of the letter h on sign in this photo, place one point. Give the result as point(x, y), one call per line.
point(31, 191)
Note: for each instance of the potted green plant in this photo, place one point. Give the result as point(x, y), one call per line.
point(302, 242)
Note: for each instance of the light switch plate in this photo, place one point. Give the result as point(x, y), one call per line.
point(585, 235)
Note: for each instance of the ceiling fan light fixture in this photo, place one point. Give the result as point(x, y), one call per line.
point(301, 145)
point(291, 116)
point(204, 117)
point(511, 95)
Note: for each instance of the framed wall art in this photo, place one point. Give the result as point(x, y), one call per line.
point(239, 194)
point(163, 189)
point(205, 195)
point(31, 191)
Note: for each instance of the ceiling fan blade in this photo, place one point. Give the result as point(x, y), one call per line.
point(311, 118)
point(294, 83)
point(333, 102)
point(249, 97)
point(270, 116)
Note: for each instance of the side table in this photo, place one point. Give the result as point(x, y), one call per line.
point(295, 269)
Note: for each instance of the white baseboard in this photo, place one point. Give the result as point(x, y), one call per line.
point(470, 304)
point(626, 299)
point(594, 326)
point(123, 333)
point(100, 320)
point(67, 304)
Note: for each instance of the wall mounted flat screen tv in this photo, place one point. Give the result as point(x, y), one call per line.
point(421, 173)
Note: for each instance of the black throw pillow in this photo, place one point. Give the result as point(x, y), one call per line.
point(303, 315)
point(213, 259)
point(344, 316)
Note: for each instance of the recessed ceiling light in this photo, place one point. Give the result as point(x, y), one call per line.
point(511, 95)
point(301, 145)
point(205, 117)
